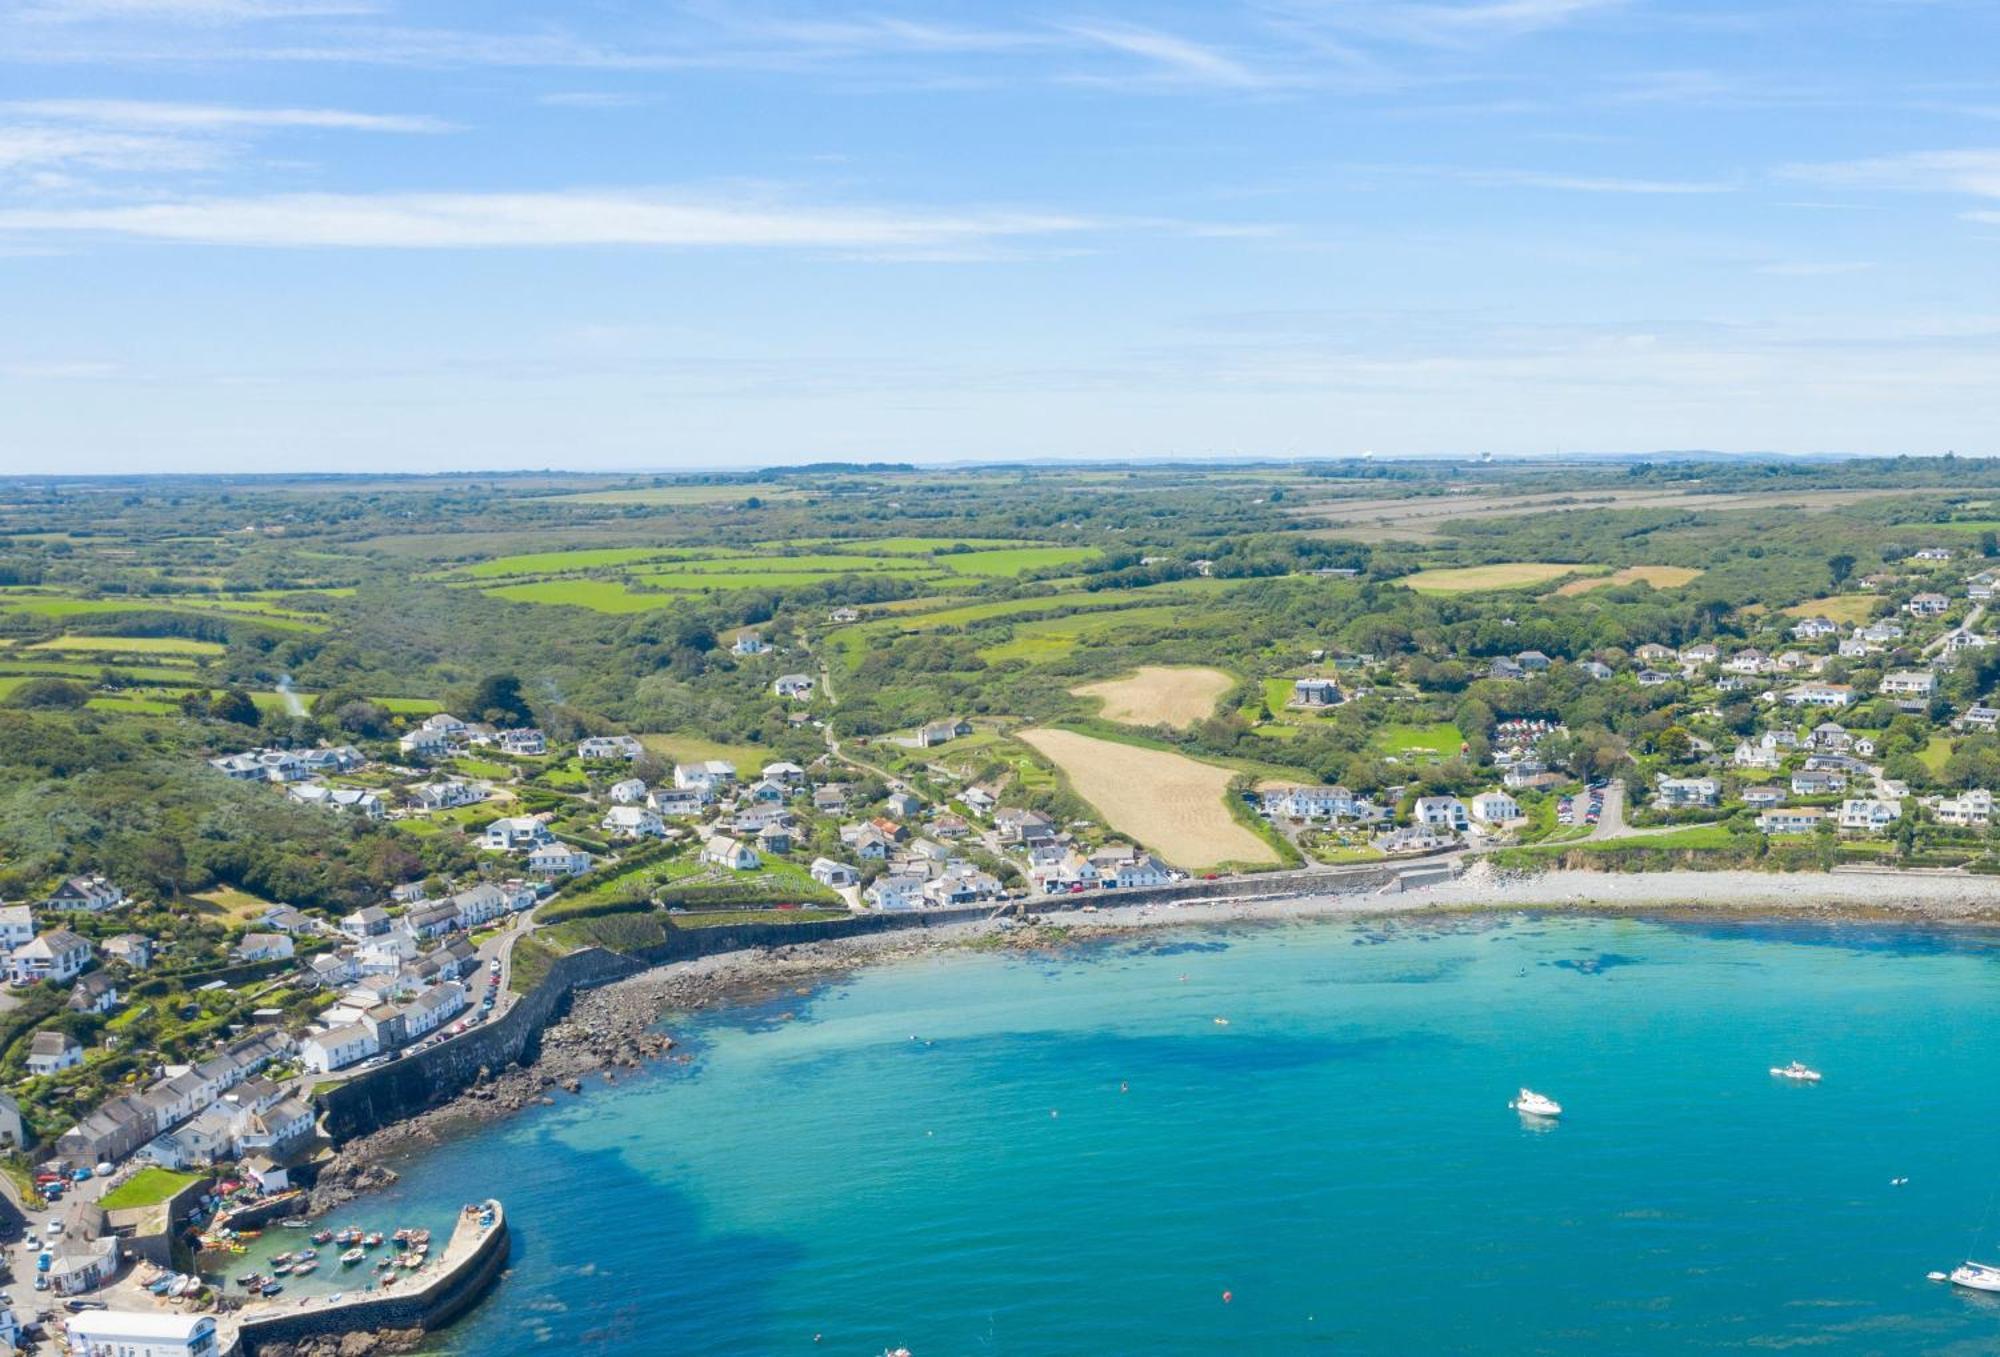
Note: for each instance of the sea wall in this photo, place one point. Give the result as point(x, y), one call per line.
point(446, 1296)
point(376, 1098)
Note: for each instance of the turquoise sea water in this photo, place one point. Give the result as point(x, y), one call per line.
point(1074, 1157)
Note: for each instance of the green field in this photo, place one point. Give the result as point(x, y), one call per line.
point(910, 546)
point(1058, 636)
point(1014, 560)
point(1441, 740)
point(556, 562)
point(748, 758)
point(134, 645)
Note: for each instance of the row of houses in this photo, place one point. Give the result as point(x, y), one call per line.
point(121, 1125)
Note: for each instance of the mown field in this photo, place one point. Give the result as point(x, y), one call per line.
point(1502, 575)
point(1165, 695)
point(1659, 576)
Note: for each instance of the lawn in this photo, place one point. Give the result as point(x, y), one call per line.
point(134, 645)
point(1935, 753)
point(603, 596)
point(748, 758)
point(1852, 609)
point(148, 1187)
point(1503, 575)
point(1442, 740)
point(236, 906)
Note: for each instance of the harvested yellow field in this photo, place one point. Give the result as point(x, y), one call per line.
point(1160, 695)
point(1168, 802)
point(1503, 575)
point(1659, 576)
point(1853, 609)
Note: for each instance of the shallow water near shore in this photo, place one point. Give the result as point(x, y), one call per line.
point(980, 1152)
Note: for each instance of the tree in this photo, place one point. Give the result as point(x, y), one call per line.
point(233, 704)
point(50, 694)
point(1989, 544)
point(1839, 566)
point(498, 699)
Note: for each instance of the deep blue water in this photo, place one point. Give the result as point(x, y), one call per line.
point(1073, 1157)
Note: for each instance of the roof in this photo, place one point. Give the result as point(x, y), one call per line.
point(52, 1043)
point(154, 1325)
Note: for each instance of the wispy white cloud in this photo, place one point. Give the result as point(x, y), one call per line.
point(1971, 171)
point(519, 220)
point(1177, 59)
point(189, 11)
point(1439, 24)
point(138, 113)
point(41, 148)
point(1587, 183)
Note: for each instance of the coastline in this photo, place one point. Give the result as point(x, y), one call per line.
point(611, 1029)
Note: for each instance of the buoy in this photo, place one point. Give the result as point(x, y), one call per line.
point(1124, 1087)
point(1228, 1296)
point(1054, 1113)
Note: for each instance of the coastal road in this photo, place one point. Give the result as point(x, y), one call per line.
point(1971, 623)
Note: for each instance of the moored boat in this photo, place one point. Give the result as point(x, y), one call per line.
point(1532, 1104)
point(351, 1257)
point(1975, 1276)
point(1797, 1072)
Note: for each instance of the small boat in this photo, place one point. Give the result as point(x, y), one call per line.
point(421, 1238)
point(307, 1255)
point(1797, 1072)
point(1975, 1276)
point(401, 1236)
point(285, 1257)
point(295, 1224)
point(322, 1237)
point(301, 1269)
point(1532, 1104)
point(351, 1257)
point(273, 1288)
point(372, 1240)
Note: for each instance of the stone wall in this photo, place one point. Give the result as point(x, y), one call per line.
point(444, 1298)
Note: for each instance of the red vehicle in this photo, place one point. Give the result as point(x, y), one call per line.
point(1211, 876)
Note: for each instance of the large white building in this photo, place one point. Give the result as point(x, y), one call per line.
point(141, 1333)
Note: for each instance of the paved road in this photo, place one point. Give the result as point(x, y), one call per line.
point(1971, 623)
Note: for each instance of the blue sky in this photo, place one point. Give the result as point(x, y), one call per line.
point(411, 235)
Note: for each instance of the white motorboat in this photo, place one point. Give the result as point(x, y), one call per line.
point(1533, 1104)
point(1975, 1276)
point(1797, 1072)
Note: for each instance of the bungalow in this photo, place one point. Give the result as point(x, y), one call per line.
point(1927, 605)
point(447, 794)
point(604, 747)
point(1654, 653)
point(49, 1051)
point(1316, 692)
point(903, 804)
point(91, 894)
point(1909, 683)
point(1750, 661)
point(1854, 648)
point(1494, 808)
point(723, 851)
point(1815, 628)
point(775, 838)
point(1818, 695)
point(1750, 755)
point(766, 792)
point(1817, 782)
point(56, 956)
point(783, 771)
point(1798, 820)
point(833, 875)
point(1971, 807)
point(632, 822)
point(1678, 792)
point(134, 949)
point(1415, 839)
point(1440, 812)
point(424, 742)
point(1830, 736)
point(558, 859)
point(749, 643)
point(1533, 661)
point(371, 922)
point(678, 800)
point(978, 800)
point(1594, 670)
point(709, 775)
point(797, 687)
point(868, 844)
point(831, 797)
point(359, 800)
point(339, 1048)
point(1934, 554)
point(1866, 815)
point(1978, 716)
point(1703, 652)
point(523, 740)
point(844, 615)
point(896, 892)
point(1653, 678)
point(264, 947)
point(940, 732)
point(1026, 827)
point(949, 826)
point(516, 833)
point(628, 791)
point(1504, 668)
point(1763, 798)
